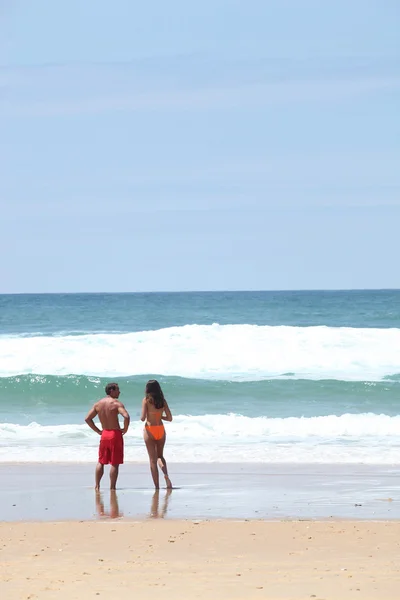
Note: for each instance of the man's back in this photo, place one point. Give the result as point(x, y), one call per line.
point(107, 410)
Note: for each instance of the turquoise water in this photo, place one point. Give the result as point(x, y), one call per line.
point(258, 376)
point(50, 314)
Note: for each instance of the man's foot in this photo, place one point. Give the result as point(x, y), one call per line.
point(168, 482)
point(97, 488)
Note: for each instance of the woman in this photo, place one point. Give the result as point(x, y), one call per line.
point(155, 410)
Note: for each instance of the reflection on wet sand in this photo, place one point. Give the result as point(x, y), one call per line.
point(114, 512)
point(155, 512)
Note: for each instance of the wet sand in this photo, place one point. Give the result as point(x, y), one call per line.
point(56, 492)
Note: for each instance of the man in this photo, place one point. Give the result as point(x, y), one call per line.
point(111, 449)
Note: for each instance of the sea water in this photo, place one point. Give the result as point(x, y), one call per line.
point(250, 376)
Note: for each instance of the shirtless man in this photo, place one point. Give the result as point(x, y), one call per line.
point(111, 449)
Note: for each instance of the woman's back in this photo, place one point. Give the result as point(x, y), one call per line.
point(154, 415)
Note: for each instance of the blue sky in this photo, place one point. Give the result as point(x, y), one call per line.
point(190, 146)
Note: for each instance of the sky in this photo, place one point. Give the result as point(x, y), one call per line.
point(213, 145)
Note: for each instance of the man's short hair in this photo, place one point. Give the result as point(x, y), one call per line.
point(111, 387)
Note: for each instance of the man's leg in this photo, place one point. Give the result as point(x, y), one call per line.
point(114, 469)
point(99, 474)
point(116, 458)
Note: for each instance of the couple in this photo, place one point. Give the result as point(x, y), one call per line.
point(155, 410)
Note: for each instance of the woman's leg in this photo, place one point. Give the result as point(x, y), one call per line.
point(152, 452)
point(162, 463)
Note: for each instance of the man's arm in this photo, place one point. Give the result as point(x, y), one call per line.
point(89, 419)
point(124, 413)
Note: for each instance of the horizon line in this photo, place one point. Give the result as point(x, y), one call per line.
point(218, 291)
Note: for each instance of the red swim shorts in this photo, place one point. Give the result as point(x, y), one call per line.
point(111, 449)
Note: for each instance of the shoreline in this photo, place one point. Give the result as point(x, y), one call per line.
point(56, 492)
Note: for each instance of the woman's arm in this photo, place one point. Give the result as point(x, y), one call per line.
point(143, 416)
point(167, 412)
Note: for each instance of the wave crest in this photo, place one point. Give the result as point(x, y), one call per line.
point(224, 352)
point(349, 438)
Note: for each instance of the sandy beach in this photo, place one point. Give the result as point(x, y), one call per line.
point(209, 559)
point(284, 533)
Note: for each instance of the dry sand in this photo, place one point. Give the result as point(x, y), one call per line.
point(118, 559)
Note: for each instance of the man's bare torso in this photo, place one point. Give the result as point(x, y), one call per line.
point(107, 410)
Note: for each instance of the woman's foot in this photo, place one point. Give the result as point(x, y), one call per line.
point(168, 482)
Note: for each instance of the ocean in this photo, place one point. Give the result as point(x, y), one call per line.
point(280, 377)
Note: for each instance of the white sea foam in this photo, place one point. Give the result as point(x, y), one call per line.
point(226, 352)
point(349, 438)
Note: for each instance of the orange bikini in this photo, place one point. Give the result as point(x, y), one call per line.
point(157, 431)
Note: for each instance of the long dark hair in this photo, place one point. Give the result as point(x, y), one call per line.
point(154, 393)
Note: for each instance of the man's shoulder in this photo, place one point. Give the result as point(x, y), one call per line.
point(110, 402)
point(101, 401)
